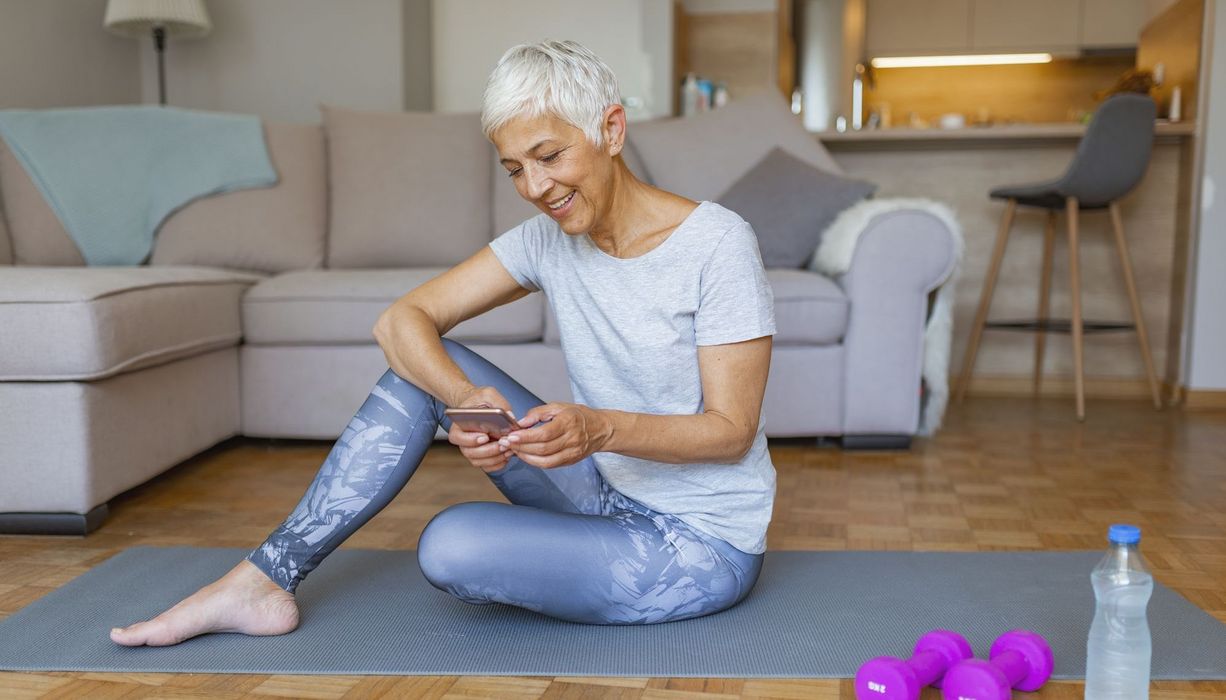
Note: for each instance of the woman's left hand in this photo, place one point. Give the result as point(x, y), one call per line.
point(573, 432)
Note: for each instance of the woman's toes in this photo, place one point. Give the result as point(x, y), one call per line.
point(132, 635)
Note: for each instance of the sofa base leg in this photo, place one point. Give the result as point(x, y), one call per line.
point(876, 442)
point(53, 523)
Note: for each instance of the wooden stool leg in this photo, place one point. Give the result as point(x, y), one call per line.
point(985, 299)
point(1121, 246)
point(1071, 206)
point(1040, 337)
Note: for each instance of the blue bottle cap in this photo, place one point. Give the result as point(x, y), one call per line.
point(1124, 534)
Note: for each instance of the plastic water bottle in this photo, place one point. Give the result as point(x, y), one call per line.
point(1118, 651)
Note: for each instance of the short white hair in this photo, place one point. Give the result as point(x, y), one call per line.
point(560, 78)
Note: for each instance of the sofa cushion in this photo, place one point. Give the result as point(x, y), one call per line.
point(36, 233)
point(510, 209)
point(810, 309)
point(701, 155)
point(790, 203)
point(271, 229)
point(312, 307)
point(84, 323)
point(407, 189)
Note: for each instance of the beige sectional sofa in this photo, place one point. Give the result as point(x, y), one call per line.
point(253, 315)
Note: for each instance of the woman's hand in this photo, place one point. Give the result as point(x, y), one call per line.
point(480, 449)
point(573, 432)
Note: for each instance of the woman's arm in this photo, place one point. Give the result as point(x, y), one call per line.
point(733, 384)
point(409, 332)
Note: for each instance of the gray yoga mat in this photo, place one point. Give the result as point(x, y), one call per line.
point(812, 614)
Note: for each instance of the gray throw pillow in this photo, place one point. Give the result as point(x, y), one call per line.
point(789, 203)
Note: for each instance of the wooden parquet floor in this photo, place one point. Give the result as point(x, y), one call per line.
point(1005, 474)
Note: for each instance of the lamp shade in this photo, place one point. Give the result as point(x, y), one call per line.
point(137, 18)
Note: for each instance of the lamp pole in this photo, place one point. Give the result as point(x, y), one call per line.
point(159, 43)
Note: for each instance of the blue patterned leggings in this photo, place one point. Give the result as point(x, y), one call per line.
point(569, 545)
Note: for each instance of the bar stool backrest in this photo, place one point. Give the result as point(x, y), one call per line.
point(1114, 153)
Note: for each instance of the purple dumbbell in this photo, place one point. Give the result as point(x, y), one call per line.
point(888, 678)
point(1019, 659)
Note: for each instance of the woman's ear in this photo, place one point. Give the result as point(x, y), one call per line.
point(614, 129)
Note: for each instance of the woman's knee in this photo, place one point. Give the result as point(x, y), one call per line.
point(454, 543)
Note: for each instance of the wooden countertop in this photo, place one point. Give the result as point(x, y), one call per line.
point(1007, 132)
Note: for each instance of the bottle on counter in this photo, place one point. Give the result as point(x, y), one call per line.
point(1119, 648)
point(706, 94)
point(690, 95)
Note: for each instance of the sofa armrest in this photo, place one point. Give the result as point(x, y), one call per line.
point(900, 258)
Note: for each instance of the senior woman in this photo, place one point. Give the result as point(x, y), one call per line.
point(648, 499)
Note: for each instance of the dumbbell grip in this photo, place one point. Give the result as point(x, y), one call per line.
point(928, 666)
point(1013, 664)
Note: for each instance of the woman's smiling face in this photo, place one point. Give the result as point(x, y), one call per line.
point(555, 167)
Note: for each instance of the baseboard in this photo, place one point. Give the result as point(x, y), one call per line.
point(53, 523)
point(1202, 400)
point(854, 443)
point(1062, 387)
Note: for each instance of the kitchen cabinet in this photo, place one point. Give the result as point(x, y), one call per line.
point(900, 26)
point(1111, 23)
point(916, 27)
point(1009, 25)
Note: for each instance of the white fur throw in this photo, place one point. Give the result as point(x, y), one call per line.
point(833, 257)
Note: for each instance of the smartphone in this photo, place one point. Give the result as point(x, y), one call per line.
point(491, 421)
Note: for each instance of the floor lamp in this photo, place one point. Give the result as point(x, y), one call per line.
point(161, 18)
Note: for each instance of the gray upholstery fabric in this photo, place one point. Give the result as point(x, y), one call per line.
point(804, 393)
point(74, 445)
point(38, 237)
point(510, 208)
point(899, 259)
point(272, 229)
point(341, 306)
point(700, 156)
point(93, 322)
point(789, 203)
point(810, 309)
point(1110, 160)
point(406, 189)
point(312, 391)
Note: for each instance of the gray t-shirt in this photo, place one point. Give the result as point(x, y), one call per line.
point(630, 331)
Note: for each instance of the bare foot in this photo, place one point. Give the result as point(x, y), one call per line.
point(244, 600)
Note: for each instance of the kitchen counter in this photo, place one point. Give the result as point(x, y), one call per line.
point(960, 166)
point(1164, 130)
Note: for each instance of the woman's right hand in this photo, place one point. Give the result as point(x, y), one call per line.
point(481, 449)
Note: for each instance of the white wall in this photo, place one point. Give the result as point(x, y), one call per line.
point(1207, 336)
point(471, 35)
point(280, 58)
point(55, 53)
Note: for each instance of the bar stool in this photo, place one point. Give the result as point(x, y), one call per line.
point(1110, 160)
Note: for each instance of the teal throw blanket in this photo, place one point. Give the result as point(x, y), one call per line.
point(113, 174)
